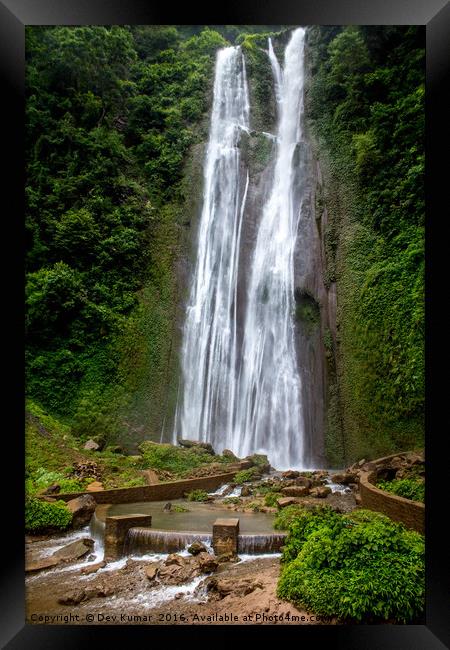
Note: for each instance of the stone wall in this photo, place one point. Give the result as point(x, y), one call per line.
point(410, 513)
point(158, 492)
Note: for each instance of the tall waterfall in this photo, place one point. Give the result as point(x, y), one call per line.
point(244, 392)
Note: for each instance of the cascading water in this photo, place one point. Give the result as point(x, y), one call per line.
point(269, 416)
point(209, 352)
point(244, 392)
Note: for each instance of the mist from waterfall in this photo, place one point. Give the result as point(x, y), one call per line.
point(244, 393)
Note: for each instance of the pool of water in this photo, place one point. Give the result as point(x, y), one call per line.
point(200, 517)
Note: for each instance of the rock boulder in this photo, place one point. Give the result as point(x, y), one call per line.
point(74, 550)
point(82, 509)
point(197, 547)
point(91, 445)
point(295, 491)
point(286, 501)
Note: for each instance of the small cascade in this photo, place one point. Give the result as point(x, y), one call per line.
point(97, 528)
point(144, 540)
point(257, 544)
point(276, 71)
point(140, 541)
point(97, 533)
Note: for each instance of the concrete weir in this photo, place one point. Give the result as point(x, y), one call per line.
point(132, 535)
point(116, 530)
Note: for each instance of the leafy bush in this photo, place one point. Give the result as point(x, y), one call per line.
point(408, 488)
point(138, 481)
point(270, 498)
point(41, 516)
point(286, 516)
point(359, 567)
point(197, 495)
point(42, 478)
point(246, 475)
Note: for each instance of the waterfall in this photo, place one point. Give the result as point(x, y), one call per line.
point(269, 416)
point(209, 351)
point(244, 392)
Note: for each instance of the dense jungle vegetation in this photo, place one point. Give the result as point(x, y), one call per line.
point(365, 106)
point(113, 114)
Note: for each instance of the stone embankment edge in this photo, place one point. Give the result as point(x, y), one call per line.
point(157, 492)
point(410, 513)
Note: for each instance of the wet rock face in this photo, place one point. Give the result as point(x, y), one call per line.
point(345, 478)
point(68, 553)
point(74, 550)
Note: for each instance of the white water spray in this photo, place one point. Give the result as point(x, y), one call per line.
point(209, 352)
point(246, 396)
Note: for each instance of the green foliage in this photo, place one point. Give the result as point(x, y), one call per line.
point(307, 311)
point(287, 515)
point(270, 499)
point(260, 460)
point(176, 460)
point(246, 475)
point(408, 488)
point(365, 105)
point(197, 495)
point(41, 516)
point(177, 508)
point(50, 446)
point(111, 115)
point(233, 500)
point(360, 567)
point(43, 478)
point(137, 481)
point(261, 86)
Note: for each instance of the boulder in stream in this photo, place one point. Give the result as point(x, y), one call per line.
point(74, 550)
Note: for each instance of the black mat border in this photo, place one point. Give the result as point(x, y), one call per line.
point(435, 14)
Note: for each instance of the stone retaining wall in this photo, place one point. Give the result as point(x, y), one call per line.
point(411, 513)
point(157, 492)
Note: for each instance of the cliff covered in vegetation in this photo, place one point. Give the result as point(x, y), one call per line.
point(117, 120)
point(365, 108)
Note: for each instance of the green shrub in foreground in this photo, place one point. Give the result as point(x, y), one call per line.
point(408, 488)
point(42, 515)
point(361, 567)
point(286, 516)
